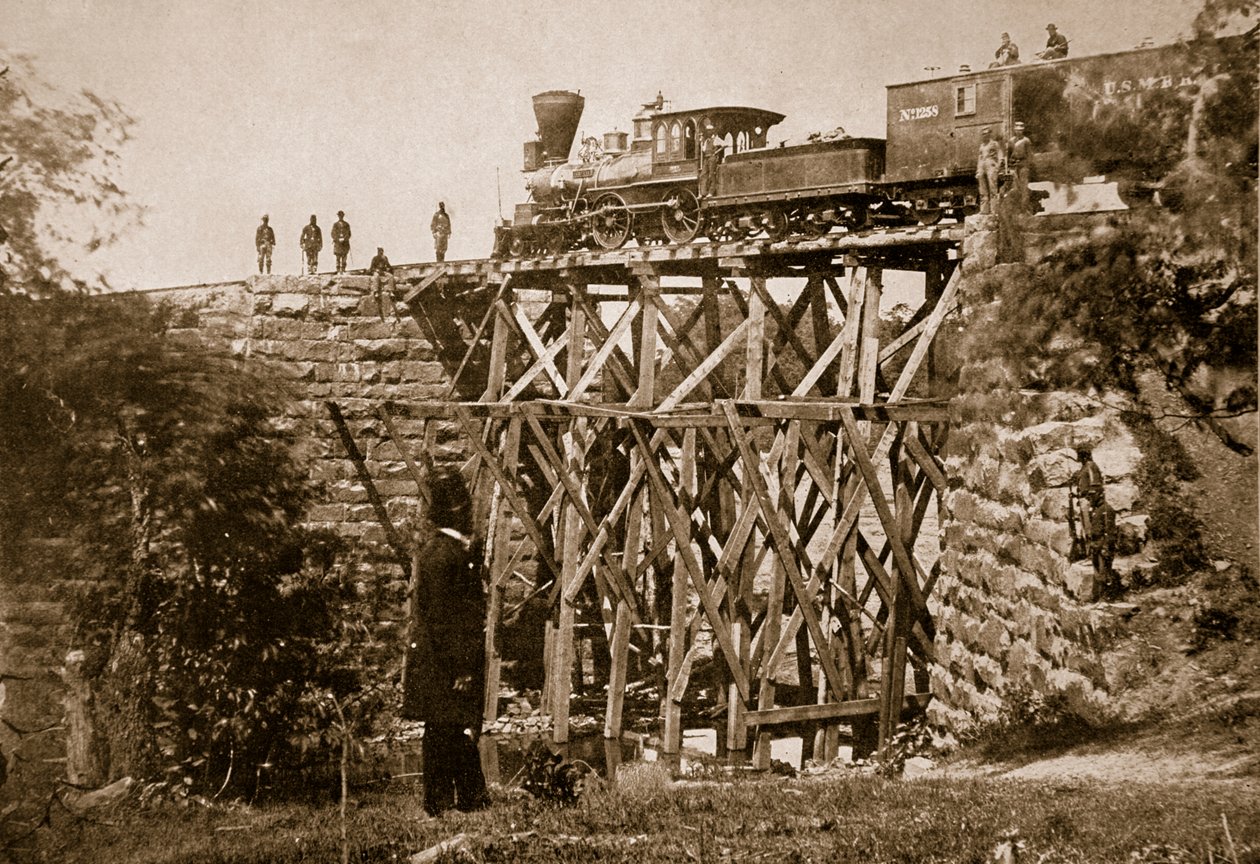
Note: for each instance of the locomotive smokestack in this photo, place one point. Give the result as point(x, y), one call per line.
point(558, 113)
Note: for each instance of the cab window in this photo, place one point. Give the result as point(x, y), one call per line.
point(675, 140)
point(689, 140)
point(964, 99)
point(660, 140)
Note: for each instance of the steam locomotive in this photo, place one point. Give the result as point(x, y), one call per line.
point(710, 171)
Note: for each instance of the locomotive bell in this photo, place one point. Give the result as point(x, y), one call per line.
point(558, 113)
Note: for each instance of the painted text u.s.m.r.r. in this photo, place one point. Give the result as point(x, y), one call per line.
point(1155, 82)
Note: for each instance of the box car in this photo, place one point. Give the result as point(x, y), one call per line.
point(1083, 115)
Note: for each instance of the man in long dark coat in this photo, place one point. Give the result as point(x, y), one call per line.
point(444, 675)
point(341, 240)
point(312, 241)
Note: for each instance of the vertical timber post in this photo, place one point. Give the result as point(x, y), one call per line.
point(564, 647)
point(741, 625)
point(671, 707)
point(498, 533)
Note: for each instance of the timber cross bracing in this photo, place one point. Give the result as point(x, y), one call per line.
point(703, 468)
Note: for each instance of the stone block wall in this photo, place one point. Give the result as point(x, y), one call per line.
point(1015, 614)
point(327, 338)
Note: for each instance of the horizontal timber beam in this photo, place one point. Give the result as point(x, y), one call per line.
point(752, 412)
point(830, 710)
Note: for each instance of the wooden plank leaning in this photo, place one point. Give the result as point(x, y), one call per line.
point(401, 553)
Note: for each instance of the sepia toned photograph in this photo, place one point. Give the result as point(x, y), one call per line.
point(661, 432)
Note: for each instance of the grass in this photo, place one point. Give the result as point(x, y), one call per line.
point(646, 818)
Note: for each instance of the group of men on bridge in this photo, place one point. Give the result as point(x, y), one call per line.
point(311, 242)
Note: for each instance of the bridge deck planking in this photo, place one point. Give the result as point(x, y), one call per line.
point(691, 259)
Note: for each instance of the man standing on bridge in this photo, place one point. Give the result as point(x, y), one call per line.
point(264, 242)
point(312, 241)
point(441, 229)
point(341, 240)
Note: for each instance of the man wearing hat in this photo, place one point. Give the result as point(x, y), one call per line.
point(440, 227)
point(312, 241)
point(1007, 54)
point(341, 240)
point(987, 165)
point(383, 277)
point(1018, 154)
point(1056, 44)
point(264, 242)
point(445, 655)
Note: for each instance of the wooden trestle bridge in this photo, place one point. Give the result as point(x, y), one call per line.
point(688, 458)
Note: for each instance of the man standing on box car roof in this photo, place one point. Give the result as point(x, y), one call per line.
point(441, 230)
point(987, 165)
point(444, 672)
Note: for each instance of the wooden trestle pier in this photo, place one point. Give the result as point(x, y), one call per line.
point(689, 457)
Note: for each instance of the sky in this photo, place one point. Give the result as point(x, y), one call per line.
point(381, 109)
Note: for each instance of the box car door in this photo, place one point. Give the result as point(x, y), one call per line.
point(978, 102)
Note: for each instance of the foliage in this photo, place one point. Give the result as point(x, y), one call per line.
point(552, 778)
point(222, 641)
point(1032, 721)
point(836, 819)
point(59, 200)
point(1172, 524)
point(913, 738)
point(217, 648)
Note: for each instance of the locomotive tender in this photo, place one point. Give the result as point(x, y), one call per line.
point(710, 171)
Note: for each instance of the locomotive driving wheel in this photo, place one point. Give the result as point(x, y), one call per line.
point(610, 221)
point(680, 215)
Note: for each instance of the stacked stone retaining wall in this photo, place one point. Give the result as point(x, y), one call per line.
point(1017, 618)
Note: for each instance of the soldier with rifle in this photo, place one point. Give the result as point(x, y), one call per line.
point(1091, 519)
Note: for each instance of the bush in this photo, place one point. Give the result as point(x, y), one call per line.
point(219, 644)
